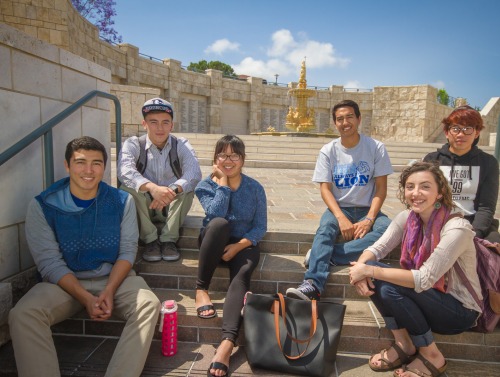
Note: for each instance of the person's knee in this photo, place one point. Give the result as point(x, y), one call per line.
point(18, 316)
point(150, 301)
point(329, 226)
point(387, 291)
point(14, 314)
point(218, 224)
point(381, 224)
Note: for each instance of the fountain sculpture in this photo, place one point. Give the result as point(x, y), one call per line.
point(301, 117)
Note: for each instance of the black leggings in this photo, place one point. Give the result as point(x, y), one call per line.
point(212, 241)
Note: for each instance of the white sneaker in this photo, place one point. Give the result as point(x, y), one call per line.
point(306, 260)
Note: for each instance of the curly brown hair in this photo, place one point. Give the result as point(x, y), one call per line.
point(433, 168)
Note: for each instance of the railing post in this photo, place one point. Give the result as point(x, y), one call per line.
point(497, 142)
point(48, 152)
point(118, 133)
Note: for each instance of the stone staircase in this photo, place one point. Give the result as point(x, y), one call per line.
point(284, 166)
point(291, 161)
point(282, 152)
point(280, 267)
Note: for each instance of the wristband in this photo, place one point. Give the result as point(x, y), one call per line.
point(174, 188)
point(369, 219)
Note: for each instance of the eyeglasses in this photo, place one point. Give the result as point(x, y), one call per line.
point(455, 130)
point(233, 157)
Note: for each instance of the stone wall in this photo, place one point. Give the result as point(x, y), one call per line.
point(208, 102)
point(491, 114)
point(38, 81)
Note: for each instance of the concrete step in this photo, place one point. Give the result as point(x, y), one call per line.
point(89, 356)
point(281, 266)
point(362, 332)
point(300, 152)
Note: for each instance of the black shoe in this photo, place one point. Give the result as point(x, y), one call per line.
point(152, 252)
point(169, 251)
point(306, 291)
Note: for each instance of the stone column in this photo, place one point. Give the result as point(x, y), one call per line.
point(255, 106)
point(173, 89)
point(132, 53)
point(215, 102)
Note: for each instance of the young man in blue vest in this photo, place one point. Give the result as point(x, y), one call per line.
point(82, 234)
point(162, 189)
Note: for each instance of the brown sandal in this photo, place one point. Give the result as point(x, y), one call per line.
point(403, 358)
point(435, 372)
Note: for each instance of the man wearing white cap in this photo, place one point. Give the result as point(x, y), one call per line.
point(161, 172)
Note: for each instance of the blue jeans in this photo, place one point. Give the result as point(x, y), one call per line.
point(420, 313)
point(324, 251)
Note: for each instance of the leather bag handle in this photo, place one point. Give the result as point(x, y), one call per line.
point(280, 303)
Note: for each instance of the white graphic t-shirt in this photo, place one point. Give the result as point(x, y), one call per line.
point(352, 170)
point(463, 187)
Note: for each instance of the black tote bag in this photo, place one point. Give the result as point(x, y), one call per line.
point(293, 336)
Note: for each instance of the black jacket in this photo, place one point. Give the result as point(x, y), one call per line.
point(487, 183)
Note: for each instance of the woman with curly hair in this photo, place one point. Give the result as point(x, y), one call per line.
point(425, 294)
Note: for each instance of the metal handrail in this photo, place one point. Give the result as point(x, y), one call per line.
point(497, 142)
point(45, 131)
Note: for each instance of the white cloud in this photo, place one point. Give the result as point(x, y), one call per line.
point(222, 45)
point(286, 54)
point(438, 84)
point(318, 55)
point(283, 42)
point(263, 69)
point(353, 84)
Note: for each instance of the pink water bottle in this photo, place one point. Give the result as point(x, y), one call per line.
point(168, 328)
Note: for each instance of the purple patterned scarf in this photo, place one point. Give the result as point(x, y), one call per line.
point(416, 247)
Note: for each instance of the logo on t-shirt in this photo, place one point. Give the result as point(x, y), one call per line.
point(350, 175)
point(464, 184)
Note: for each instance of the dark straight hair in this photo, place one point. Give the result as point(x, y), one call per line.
point(346, 103)
point(234, 141)
point(86, 143)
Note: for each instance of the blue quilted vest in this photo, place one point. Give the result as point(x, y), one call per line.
point(91, 236)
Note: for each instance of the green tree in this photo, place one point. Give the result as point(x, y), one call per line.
point(443, 97)
point(203, 65)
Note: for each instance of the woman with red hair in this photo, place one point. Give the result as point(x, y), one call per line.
point(471, 172)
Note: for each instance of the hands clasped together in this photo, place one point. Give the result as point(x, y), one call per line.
point(360, 276)
point(354, 231)
point(162, 197)
point(100, 308)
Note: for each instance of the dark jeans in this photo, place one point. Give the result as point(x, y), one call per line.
point(212, 241)
point(420, 313)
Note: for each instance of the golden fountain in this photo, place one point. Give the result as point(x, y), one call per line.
point(300, 117)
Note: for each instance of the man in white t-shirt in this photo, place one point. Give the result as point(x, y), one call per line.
point(352, 172)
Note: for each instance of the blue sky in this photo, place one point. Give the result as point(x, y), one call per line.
point(450, 44)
